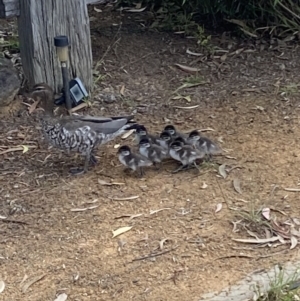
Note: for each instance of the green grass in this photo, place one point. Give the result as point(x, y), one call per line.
point(10, 43)
point(281, 287)
point(250, 18)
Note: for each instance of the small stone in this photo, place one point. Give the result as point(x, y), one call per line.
point(106, 97)
point(9, 82)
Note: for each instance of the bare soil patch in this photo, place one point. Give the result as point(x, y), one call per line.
point(250, 100)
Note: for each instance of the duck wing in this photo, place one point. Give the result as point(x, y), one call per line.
point(105, 125)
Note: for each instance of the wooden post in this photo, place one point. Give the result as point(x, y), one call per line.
point(38, 23)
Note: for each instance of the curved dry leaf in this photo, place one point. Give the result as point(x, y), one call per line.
point(222, 171)
point(31, 281)
point(117, 146)
point(161, 243)
point(258, 241)
point(186, 108)
point(2, 286)
point(104, 183)
point(294, 242)
point(292, 189)
point(61, 297)
point(125, 199)
point(223, 57)
point(219, 207)
point(135, 10)
point(237, 185)
point(204, 185)
point(98, 10)
point(127, 134)
point(187, 68)
point(294, 232)
point(25, 148)
point(266, 213)
point(84, 209)
point(33, 107)
point(120, 231)
point(187, 98)
point(193, 53)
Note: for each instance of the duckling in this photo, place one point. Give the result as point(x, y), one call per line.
point(82, 134)
point(141, 132)
point(174, 133)
point(203, 144)
point(133, 161)
point(185, 154)
point(153, 152)
point(165, 140)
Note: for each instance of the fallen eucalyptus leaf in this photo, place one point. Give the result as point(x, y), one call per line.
point(292, 189)
point(258, 241)
point(252, 234)
point(223, 57)
point(222, 171)
point(120, 231)
point(84, 209)
point(189, 85)
point(32, 107)
point(158, 210)
point(61, 297)
point(294, 232)
point(266, 213)
point(30, 282)
point(237, 185)
point(122, 90)
point(25, 148)
point(98, 10)
point(2, 286)
point(186, 108)
point(193, 53)
point(219, 207)
point(125, 198)
point(188, 98)
point(177, 97)
point(187, 68)
point(127, 134)
point(294, 242)
point(135, 10)
point(102, 182)
point(204, 185)
point(161, 243)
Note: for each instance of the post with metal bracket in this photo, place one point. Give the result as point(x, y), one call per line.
point(62, 47)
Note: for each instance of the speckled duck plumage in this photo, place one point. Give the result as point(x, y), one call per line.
point(82, 134)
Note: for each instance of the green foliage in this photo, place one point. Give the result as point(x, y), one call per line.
point(282, 288)
point(274, 17)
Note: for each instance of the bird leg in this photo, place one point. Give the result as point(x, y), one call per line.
point(141, 172)
point(195, 165)
point(157, 165)
point(76, 171)
point(208, 158)
point(180, 168)
point(93, 160)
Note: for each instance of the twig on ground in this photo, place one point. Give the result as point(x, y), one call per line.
point(154, 255)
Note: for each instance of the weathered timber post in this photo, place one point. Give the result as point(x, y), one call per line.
point(39, 22)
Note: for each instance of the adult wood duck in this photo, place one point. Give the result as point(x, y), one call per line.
point(82, 134)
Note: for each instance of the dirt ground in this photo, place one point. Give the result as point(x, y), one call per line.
point(249, 99)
